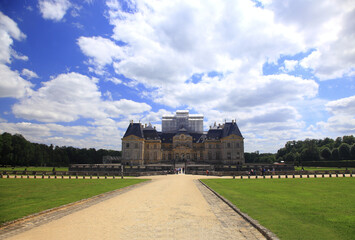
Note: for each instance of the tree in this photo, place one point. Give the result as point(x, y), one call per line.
point(338, 141)
point(349, 139)
point(281, 153)
point(325, 153)
point(290, 157)
point(310, 154)
point(335, 154)
point(352, 151)
point(6, 153)
point(344, 151)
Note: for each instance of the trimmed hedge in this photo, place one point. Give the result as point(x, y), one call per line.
point(346, 163)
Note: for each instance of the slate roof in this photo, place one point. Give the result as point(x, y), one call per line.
point(198, 137)
point(231, 128)
point(166, 137)
point(149, 132)
point(214, 134)
point(135, 129)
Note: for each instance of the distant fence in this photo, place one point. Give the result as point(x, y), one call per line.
point(237, 174)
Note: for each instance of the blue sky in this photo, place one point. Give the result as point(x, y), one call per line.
point(76, 72)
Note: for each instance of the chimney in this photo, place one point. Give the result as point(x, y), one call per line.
point(131, 121)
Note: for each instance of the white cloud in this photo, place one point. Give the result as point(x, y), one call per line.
point(18, 56)
point(28, 73)
point(326, 26)
point(114, 80)
point(70, 96)
point(8, 30)
point(77, 136)
point(108, 94)
point(101, 51)
point(343, 106)
point(342, 120)
point(290, 65)
point(12, 84)
point(54, 9)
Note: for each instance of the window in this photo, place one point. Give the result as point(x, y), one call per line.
point(127, 145)
point(209, 155)
point(229, 156)
point(155, 146)
point(228, 145)
point(237, 144)
point(136, 145)
point(155, 155)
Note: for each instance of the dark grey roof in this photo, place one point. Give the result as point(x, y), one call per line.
point(166, 137)
point(150, 133)
point(198, 137)
point(135, 129)
point(231, 128)
point(214, 134)
point(228, 129)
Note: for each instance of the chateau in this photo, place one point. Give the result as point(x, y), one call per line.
point(182, 139)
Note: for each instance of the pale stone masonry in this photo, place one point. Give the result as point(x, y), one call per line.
point(182, 139)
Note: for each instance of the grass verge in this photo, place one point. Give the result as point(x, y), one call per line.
point(322, 168)
point(322, 208)
point(22, 197)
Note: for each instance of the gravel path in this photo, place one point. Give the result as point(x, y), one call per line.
point(168, 207)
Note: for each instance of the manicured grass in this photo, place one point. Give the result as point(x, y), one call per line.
point(321, 208)
point(21, 197)
point(321, 168)
point(47, 169)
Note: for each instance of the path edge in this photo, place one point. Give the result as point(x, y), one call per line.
point(263, 230)
point(79, 202)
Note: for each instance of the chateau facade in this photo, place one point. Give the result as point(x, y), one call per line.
point(182, 139)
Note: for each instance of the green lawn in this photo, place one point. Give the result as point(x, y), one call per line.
point(321, 208)
point(47, 169)
point(21, 197)
point(321, 168)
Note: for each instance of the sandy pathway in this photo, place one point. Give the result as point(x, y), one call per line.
point(169, 207)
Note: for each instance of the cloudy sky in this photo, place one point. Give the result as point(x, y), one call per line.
point(75, 72)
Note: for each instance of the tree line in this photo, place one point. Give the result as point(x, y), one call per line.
point(327, 149)
point(308, 150)
point(15, 150)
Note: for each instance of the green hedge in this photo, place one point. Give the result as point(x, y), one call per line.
point(346, 163)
